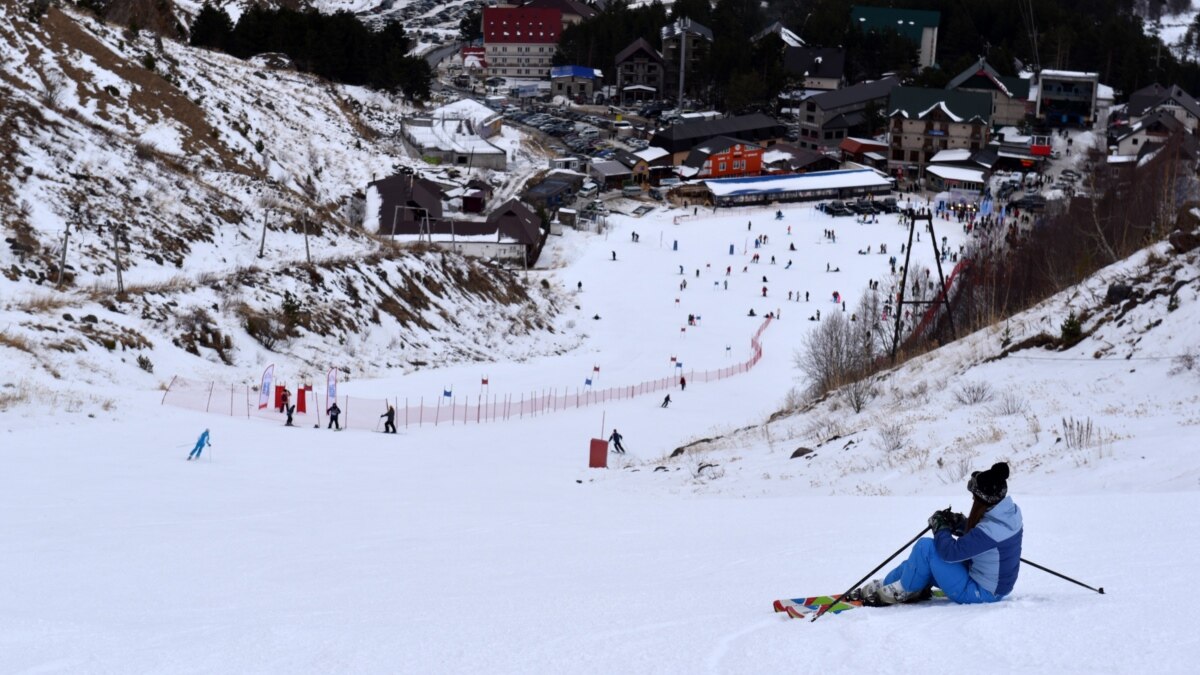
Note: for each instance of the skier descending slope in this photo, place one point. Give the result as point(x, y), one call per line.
point(200, 443)
point(981, 565)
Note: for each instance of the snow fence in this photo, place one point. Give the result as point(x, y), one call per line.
point(240, 400)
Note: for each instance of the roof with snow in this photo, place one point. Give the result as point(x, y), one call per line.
point(686, 135)
point(819, 180)
point(789, 38)
point(1068, 75)
point(686, 25)
point(856, 145)
point(575, 71)
point(521, 25)
point(960, 106)
point(651, 153)
point(815, 62)
point(956, 173)
point(908, 22)
point(465, 109)
point(954, 155)
point(981, 75)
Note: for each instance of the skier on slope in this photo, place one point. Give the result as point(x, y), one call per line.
point(333, 411)
point(200, 443)
point(666, 401)
point(615, 439)
point(973, 559)
point(389, 424)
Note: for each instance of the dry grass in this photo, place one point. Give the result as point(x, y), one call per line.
point(15, 341)
point(41, 304)
point(25, 393)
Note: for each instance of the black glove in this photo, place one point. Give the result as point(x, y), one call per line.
point(947, 520)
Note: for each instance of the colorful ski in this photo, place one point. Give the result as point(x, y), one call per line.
point(798, 608)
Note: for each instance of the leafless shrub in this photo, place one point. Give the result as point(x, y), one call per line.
point(1185, 361)
point(794, 399)
point(824, 428)
point(954, 470)
point(1078, 434)
point(858, 393)
point(1010, 403)
point(891, 437)
point(1035, 427)
point(973, 393)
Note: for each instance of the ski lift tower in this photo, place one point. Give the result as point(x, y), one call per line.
point(942, 297)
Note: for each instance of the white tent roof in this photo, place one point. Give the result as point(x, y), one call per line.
point(818, 180)
point(955, 173)
point(955, 155)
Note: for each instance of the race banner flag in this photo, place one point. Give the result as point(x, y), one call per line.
point(264, 391)
point(331, 385)
point(447, 393)
point(587, 382)
point(484, 382)
point(679, 364)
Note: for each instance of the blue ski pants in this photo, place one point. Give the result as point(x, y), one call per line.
point(195, 454)
point(925, 568)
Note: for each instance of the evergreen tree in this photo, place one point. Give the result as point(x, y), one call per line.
point(212, 28)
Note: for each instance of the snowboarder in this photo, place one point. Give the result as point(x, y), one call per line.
point(333, 411)
point(973, 558)
point(389, 424)
point(290, 410)
point(283, 401)
point(615, 439)
point(614, 255)
point(682, 383)
point(666, 401)
point(200, 443)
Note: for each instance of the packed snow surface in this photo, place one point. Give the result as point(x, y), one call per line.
point(492, 548)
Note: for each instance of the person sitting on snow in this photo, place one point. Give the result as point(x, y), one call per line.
point(973, 559)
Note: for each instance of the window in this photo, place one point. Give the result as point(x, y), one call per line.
point(913, 155)
point(897, 155)
point(721, 166)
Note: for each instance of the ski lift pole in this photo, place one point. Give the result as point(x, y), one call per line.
point(858, 583)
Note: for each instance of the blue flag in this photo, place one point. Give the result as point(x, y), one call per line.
point(679, 364)
point(587, 382)
point(447, 393)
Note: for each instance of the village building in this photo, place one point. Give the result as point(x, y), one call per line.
point(825, 119)
point(722, 157)
point(846, 184)
point(923, 122)
point(816, 68)
point(575, 83)
point(1010, 95)
point(641, 73)
point(1066, 98)
point(456, 134)
point(788, 37)
point(610, 174)
point(685, 43)
point(1148, 100)
point(573, 11)
point(520, 41)
point(679, 139)
point(649, 165)
point(920, 26)
point(863, 151)
point(1156, 127)
point(401, 204)
point(789, 158)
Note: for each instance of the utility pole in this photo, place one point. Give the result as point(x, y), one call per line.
point(117, 258)
point(62, 261)
point(263, 242)
point(307, 253)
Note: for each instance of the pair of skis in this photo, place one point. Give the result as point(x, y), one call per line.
point(799, 608)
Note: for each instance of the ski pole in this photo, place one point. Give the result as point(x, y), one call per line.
point(1063, 576)
point(868, 576)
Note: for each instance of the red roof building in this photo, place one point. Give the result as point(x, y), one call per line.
point(520, 41)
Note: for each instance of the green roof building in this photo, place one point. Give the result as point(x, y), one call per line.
point(918, 25)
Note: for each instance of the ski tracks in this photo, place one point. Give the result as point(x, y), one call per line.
point(721, 649)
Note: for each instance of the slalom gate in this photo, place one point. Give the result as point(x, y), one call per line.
point(242, 400)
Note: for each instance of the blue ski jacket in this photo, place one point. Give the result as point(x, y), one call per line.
point(992, 550)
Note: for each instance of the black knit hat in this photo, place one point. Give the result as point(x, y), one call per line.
point(990, 486)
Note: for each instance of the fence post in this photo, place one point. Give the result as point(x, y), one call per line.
point(406, 413)
point(211, 386)
point(421, 418)
point(169, 385)
point(347, 410)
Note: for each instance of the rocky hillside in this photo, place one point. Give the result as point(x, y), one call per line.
point(213, 182)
